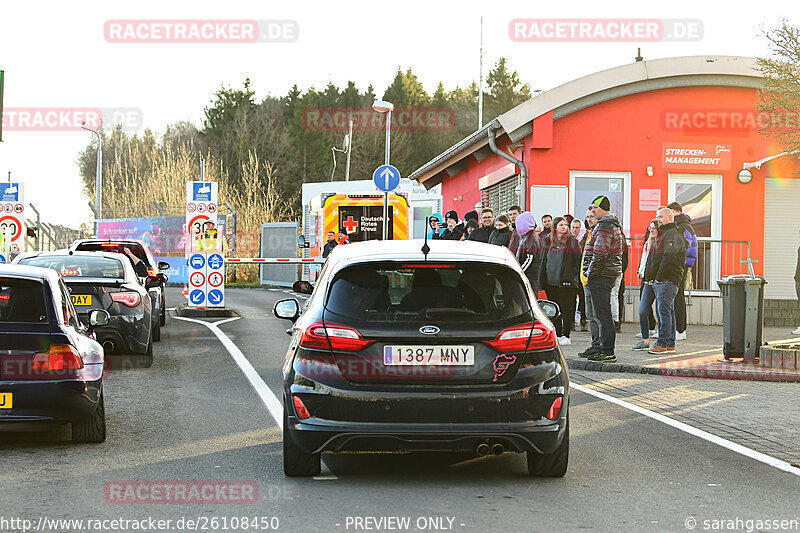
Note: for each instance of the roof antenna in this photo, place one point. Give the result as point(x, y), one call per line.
point(425, 248)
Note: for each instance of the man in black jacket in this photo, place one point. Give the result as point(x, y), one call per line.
point(330, 245)
point(602, 266)
point(455, 229)
point(486, 228)
point(665, 268)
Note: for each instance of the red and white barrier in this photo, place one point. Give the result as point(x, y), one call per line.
point(273, 260)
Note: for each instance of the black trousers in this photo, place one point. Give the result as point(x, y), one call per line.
point(621, 299)
point(582, 304)
point(651, 319)
point(680, 307)
point(565, 298)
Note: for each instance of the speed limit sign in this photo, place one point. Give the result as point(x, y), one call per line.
point(10, 225)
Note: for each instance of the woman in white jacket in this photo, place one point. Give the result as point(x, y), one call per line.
point(647, 321)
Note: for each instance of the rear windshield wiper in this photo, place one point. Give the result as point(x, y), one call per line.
point(444, 311)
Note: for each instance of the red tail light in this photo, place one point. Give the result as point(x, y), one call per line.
point(555, 409)
point(300, 408)
point(530, 336)
point(543, 337)
point(59, 357)
point(151, 272)
point(336, 337)
point(131, 299)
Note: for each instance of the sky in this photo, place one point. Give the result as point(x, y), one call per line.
point(55, 55)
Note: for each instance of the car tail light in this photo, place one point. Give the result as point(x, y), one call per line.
point(555, 409)
point(131, 299)
point(336, 337)
point(530, 336)
point(543, 337)
point(59, 357)
point(300, 408)
point(151, 272)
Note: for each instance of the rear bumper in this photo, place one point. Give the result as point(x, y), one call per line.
point(129, 333)
point(313, 436)
point(37, 402)
point(392, 418)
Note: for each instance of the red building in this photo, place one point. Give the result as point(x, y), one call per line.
point(646, 134)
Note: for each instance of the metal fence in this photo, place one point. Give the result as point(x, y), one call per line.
point(715, 259)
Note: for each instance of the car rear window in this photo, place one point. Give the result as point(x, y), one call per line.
point(117, 248)
point(472, 292)
point(22, 300)
point(74, 266)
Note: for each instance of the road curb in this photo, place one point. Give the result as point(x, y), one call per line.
point(210, 312)
point(749, 373)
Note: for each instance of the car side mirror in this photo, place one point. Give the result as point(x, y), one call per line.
point(163, 265)
point(288, 309)
point(151, 281)
point(98, 318)
point(550, 309)
point(302, 287)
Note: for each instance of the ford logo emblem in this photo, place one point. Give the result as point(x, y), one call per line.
point(429, 330)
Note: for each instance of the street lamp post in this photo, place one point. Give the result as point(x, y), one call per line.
point(98, 181)
point(382, 106)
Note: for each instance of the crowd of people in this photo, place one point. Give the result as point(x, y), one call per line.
point(580, 265)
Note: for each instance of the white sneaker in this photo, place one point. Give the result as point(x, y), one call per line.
point(680, 336)
point(797, 331)
point(564, 341)
point(653, 333)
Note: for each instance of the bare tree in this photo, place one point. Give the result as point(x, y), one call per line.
point(780, 98)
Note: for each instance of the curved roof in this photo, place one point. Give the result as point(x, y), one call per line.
point(638, 77)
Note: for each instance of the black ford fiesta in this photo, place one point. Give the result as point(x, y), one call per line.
point(401, 351)
point(98, 280)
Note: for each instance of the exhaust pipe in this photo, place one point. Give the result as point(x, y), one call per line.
point(108, 347)
point(482, 449)
point(497, 449)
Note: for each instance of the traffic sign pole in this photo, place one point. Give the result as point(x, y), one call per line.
point(386, 178)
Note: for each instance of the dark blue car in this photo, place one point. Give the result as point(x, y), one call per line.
point(51, 370)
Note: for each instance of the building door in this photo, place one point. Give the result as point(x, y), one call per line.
point(420, 211)
point(550, 200)
point(700, 196)
point(585, 186)
point(782, 196)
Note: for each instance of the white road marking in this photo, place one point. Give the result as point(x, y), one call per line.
point(738, 448)
point(269, 399)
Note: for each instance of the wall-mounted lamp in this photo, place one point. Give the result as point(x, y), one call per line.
point(744, 176)
point(650, 171)
point(458, 198)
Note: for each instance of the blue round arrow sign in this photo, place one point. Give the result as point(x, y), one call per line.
point(197, 296)
point(386, 178)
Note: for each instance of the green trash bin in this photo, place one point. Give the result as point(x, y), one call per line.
point(742, 315)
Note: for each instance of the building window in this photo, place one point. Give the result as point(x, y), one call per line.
point(501, 196)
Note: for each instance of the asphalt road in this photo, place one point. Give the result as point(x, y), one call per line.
point(194, 416)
